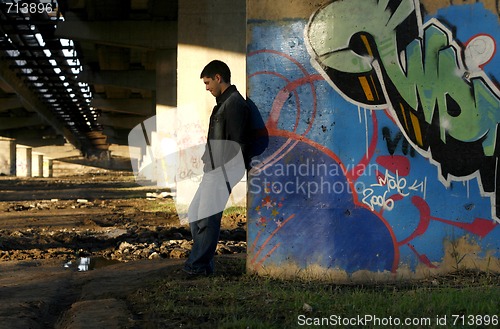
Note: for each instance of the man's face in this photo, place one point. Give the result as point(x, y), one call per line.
point(213, 85)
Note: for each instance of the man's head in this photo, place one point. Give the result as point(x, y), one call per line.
point(216, 77)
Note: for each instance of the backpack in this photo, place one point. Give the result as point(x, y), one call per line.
point(258, 134)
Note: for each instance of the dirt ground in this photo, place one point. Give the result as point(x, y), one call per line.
point(49, 228)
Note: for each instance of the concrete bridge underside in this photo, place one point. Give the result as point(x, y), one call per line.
point(78, 75)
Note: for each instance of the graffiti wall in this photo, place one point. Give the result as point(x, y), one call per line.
point(383, 151)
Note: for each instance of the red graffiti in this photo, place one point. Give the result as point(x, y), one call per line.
point(396, 164)
point(479, 226)
point(422, 257)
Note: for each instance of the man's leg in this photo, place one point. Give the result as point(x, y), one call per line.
point(205, 234)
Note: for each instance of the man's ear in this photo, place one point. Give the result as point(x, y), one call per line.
point(218, 78)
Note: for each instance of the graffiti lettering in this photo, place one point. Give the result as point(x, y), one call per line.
point(373, 201)
point(394, 186)
point(392, 183)
point(418, 186)
point(379, 54)
point(187, 174)
point(392, 143)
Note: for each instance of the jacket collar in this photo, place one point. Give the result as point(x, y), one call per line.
point(225, 95)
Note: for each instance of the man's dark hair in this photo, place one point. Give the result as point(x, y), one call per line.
point(216, 67)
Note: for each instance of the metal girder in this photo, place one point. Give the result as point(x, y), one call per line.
point(141, 28)
point(124, 121)
point(136, 79)
point(119, 136)
point(138, 106)
point(36, 138)
point(128, 34)
point(38, 67)
point(7, 123)
point(31, 102)
point(9, 103)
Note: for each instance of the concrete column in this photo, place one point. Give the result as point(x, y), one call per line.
point(37, 165)
point(7, 156)
point(166, 128)
point(147, 163)
point(24, 161)
point(147, 138)
point(47, 168)
point(207, 30)
point(135, 154)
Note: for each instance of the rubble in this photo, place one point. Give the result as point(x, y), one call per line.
point(118, 224)
point(127, 247)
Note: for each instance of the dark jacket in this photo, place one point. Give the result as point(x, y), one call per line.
point(229, 122)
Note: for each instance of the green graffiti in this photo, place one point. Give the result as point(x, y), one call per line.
point(439, 81)
point(364, 38)
point(331, 28)
point(379, 55)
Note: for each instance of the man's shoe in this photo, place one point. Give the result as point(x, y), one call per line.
point(194, 274)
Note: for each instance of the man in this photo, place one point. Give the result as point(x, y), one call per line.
point(224, 166)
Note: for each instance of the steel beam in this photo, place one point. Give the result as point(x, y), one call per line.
point(20, 122)
point(145, 107)
point(10, 103)
point(31, 102)
point(128, 34)
point(137, 79)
